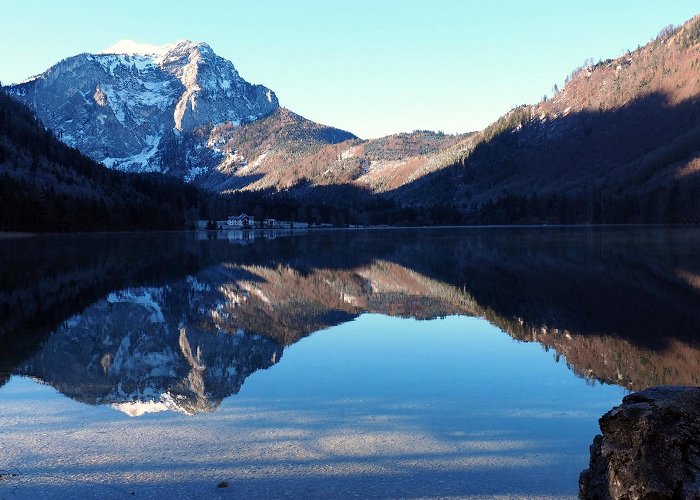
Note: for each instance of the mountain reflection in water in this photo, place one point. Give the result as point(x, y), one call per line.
point(178, 321)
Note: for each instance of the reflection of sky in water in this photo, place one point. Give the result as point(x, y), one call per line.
point(382, 407)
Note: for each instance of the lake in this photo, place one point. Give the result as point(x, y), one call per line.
point(446, 362)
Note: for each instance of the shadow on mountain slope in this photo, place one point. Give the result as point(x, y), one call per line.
point(636, 163)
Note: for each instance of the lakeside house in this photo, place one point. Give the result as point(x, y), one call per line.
point(243, 220)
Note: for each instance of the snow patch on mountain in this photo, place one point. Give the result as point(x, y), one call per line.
point(131, 47)
point(137, 107)
point(143, 297)
point(139, 408)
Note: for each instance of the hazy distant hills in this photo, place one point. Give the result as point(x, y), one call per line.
point(619, 143)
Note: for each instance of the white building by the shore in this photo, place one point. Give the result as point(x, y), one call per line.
point(243, 220)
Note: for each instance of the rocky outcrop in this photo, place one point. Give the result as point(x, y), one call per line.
point(650, 448)
point(131, 106)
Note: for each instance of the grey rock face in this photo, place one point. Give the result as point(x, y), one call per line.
point(650, 448)
point(129, 106)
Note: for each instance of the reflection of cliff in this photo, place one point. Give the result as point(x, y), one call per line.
point(149, 349)
point(610, 359)
point(45, 280)
point(281, 301)
point(616, 361)
point(621, 306)
point(187, 345)
point(624, 282)
point(286, 305)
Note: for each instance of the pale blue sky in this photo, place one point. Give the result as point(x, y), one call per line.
point(369, 66)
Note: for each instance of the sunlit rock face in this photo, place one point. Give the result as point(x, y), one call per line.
point(131, 106)
point(648, 449)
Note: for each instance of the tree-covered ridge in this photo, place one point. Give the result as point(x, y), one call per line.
point(618, 144)
point(48, 186)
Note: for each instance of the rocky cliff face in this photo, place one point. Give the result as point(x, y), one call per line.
point(182, 110)
point(129, 106)
point(650, 448)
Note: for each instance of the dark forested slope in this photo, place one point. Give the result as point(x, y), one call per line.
point(48, 186)
point(620, 143)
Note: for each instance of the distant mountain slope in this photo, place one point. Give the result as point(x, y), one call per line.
point(395, 160)
point(47, 186)
point(286, 152)
point(620, 143)
point(182, 110)
point(270, 152)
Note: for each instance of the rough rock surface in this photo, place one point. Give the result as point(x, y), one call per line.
point(131, 106)
point(650, 448)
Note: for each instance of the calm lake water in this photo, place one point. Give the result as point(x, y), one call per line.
point(427, 363)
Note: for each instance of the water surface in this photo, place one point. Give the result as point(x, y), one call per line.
point(385, 364)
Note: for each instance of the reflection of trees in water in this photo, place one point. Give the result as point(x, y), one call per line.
point(619, 304)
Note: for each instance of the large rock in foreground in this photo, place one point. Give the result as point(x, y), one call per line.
point(650, 448)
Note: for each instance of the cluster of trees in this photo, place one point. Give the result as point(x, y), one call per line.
point(137, 204)
point(667, 205)
point(354, 209)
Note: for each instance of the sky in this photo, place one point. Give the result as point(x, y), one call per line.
point(372, 67)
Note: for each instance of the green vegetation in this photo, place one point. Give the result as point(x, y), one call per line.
point(507, 123)
point(691, 35)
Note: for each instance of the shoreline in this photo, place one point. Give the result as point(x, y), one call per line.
point(13, 235)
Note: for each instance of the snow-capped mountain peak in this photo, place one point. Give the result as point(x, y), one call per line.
point(158, 53)
point(129, 105)
point(132, 48)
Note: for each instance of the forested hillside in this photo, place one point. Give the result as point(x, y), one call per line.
point(48, 186)
point(620, 143)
